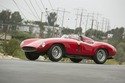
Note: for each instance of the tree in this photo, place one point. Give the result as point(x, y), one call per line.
point(10, 21)
point(117, 33)
point(120, 56)
point(10, 47)
point(20, 35)
point(5, 17)
point(51, 21)
point(52, 18)
point(78, 31)
point(68, 31)
point(49, 33)
point(15, 19)
point(42, 29)
point(96, 33)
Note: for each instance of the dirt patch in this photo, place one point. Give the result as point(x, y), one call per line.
point(7, 57)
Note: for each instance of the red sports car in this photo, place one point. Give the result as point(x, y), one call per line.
point(72, 46)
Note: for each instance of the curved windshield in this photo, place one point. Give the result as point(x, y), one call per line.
point(76, 37)
point(79, 38)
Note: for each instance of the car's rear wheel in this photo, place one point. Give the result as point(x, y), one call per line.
point(100, 57)
point(55, 53)
point(31, 55)
point(75, 60)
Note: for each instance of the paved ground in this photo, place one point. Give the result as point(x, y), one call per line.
point(15, 71)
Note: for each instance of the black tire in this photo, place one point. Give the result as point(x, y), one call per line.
point(55, 53)
point(75, 60)
point(100, 57)
point(31, 55)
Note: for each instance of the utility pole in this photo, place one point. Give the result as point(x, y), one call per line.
point(41, 16)
point(81, 17)
point(87, 18)
point(92, 23)
point(106, 24)
point(102, 27)
point(97, 20)
point(57, 11)
point(77, 11)
point(63, 17)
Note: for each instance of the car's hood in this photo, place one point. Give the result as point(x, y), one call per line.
point(36, 42)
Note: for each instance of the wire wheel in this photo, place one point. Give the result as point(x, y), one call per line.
point(100, 57)
point(55, 53)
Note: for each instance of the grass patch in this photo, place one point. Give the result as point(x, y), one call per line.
point(111, 62)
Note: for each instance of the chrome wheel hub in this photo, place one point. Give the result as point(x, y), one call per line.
point(101, 55)
point(56, 52)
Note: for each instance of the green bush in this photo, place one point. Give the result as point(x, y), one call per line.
point(114, 42)
point(12, 48)
point(120, 56)
point(20, 35)
point(9, 47)
point(19, 54)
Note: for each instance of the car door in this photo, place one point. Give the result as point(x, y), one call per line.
point(86, 48)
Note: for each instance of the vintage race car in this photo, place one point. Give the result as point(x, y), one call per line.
point(72, 46)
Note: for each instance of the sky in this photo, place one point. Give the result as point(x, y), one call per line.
point(114, 10)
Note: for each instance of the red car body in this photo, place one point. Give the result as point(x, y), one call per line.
point(86, 47)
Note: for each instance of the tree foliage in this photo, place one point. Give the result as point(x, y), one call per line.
point(5, 17)
point(49, 33)
point(20, 35)
point(52, 18)
point(78, 31)
point(120, 57)
point(117, 33)
point(15, 20)
point(41, 26)
point(96, 33)
point(10, 47)
point(8, 18)
point(68, 31)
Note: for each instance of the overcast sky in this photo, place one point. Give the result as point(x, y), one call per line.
point(114, 10)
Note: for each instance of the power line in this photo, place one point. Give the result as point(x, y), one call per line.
point(63, 16)
point(77, 11)
point(44, 7)
point(30, 9)
point(34, 9)
point(38, 5)
point(42, 4)
point(19, 8)
point(50, 4)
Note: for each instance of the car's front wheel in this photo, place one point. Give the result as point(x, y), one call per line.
point(100, 57)
point(55, 53)
point(31, 55)
point(75, 60)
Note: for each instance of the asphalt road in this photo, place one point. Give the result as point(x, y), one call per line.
point(15, 71)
